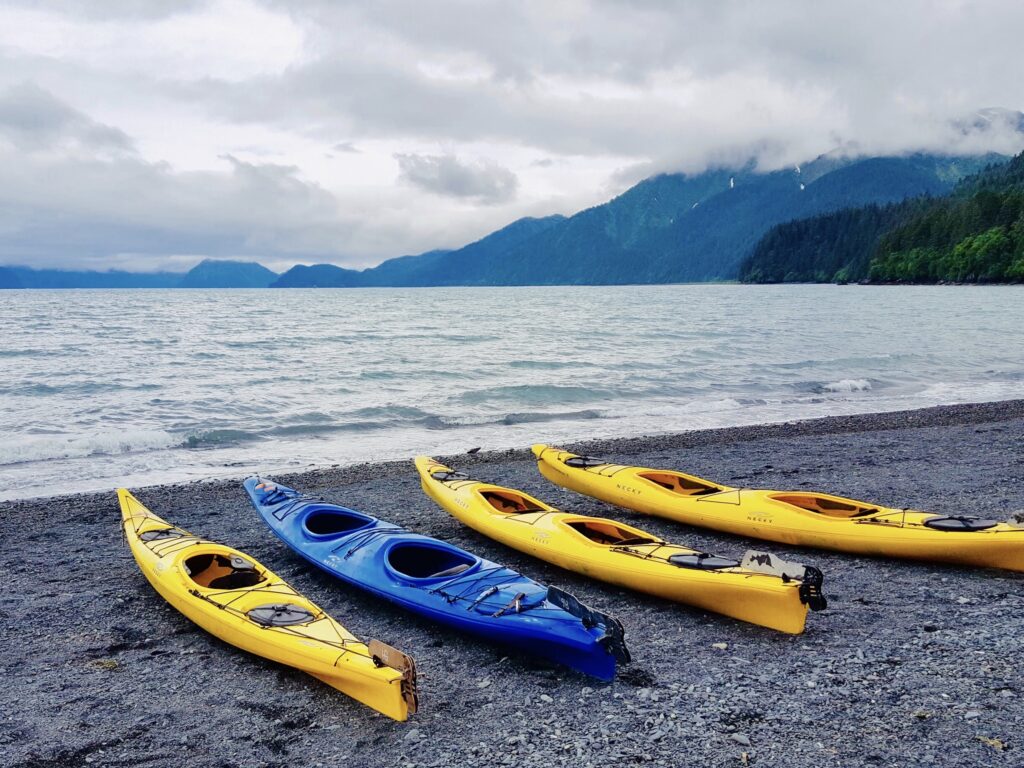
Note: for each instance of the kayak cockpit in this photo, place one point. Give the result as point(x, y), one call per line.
point(422, 560)
point(608, 533)
point(223, 570)
point(334, 521)
point(510, 503)
point(681, 484)
point(825, 505)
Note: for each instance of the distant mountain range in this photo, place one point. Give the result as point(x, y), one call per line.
point(668, 228)
point(26, 277)
point(209, 273)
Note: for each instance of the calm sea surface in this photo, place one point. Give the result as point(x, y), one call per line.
point(103, 388)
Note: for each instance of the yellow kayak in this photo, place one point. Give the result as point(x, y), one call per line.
point(791, 517)
point(235, 598)
point(762, 589)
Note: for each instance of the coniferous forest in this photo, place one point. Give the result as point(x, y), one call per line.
point(974, 235)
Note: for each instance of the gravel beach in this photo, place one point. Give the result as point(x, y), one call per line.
point(911, 664)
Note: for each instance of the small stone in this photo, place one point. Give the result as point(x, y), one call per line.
point(963, 600)
point(996, 744)
point(740, 738)
point(413, 734)
point(720, 646)
point(972, 714)
point(484, 683)
point(545, 698)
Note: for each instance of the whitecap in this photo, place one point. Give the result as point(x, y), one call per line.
point(848, 385)
point(15, 449)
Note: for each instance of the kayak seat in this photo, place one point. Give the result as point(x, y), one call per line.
point(680, 485)
point(825, 506)
point(217, 571)
point(427, 561)
point(455, 570)
point(509, 504)
point(605, 532)
point(330, 522)
point(236, 580)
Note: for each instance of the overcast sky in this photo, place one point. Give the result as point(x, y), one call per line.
point(148, 135)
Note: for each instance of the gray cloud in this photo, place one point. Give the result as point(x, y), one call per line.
point(131, 103)
point(62, 190)
point(447, 175)
point(114, 9)
point(31, 119)
point(678, 85)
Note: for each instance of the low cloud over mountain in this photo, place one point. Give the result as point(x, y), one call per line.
point(150, 134)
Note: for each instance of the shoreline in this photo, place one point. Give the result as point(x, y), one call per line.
point(911, 664)
point(916, 418)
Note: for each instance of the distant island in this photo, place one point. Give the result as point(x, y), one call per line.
point(919, 218)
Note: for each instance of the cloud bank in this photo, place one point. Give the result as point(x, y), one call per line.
point(151, 134)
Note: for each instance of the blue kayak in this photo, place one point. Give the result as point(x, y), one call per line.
point(442, 582)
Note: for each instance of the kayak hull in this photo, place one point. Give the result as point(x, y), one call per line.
point(170, 557)
point(478, 600)
point(796, 518)
point(546, 533)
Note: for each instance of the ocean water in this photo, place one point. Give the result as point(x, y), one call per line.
point(107, 388)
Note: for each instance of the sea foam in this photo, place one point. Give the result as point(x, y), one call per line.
point(848, 385)
point(16, 449)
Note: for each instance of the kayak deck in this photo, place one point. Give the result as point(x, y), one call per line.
point(620, 554)
point(238, 600)
point(800, 518)
point(440, 581)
